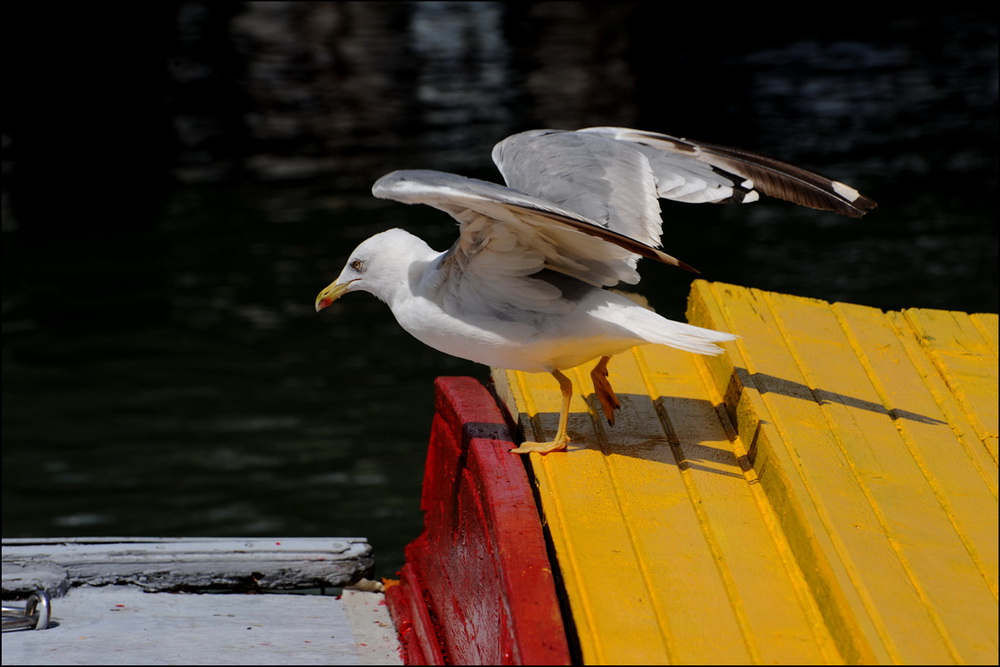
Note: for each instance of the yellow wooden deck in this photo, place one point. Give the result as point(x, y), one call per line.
point(824, 492)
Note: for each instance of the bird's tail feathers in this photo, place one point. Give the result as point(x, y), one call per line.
point(659, 330)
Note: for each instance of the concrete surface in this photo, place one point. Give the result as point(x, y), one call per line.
point(122, 625)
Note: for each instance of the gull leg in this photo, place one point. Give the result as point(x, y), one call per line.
point(562, 439)
point(602, 388)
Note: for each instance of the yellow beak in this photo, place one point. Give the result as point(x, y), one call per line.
point(331, 293)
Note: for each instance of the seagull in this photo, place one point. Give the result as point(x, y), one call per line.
point(526, 286)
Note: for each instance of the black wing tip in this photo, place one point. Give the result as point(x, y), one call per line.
point(853, 208)
point(863, 205)
point(687, 267)
point(783, 180)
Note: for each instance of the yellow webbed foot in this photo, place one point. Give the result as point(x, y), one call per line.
point(559, 443)
point(542, 447)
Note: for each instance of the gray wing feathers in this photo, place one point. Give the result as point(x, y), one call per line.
point(605, 181)
point(741, 171)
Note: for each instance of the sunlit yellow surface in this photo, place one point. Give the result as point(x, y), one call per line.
point(825, 492)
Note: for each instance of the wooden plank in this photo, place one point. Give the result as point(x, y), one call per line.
point(775, 611)
point(908, 512)
point(664, 543)
point(162, 564)
point(964, 485)
point(907, 550)
point(761, 381)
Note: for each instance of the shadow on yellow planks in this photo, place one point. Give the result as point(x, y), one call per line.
point(824, 492)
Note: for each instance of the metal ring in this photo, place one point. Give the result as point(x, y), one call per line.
point(35, 615)
point(39, 601)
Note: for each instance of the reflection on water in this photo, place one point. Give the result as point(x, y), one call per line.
point(163, 370)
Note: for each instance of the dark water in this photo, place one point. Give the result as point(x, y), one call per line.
point(179, 183)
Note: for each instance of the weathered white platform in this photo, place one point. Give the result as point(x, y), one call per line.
point(114, 601)
point(122, 625)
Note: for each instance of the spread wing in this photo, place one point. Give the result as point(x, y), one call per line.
point(507, 236)
point(566, 241)
point(614, 176)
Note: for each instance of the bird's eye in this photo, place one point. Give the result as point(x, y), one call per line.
point(358, 265)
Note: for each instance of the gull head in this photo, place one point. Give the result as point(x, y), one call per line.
point(380, 266)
